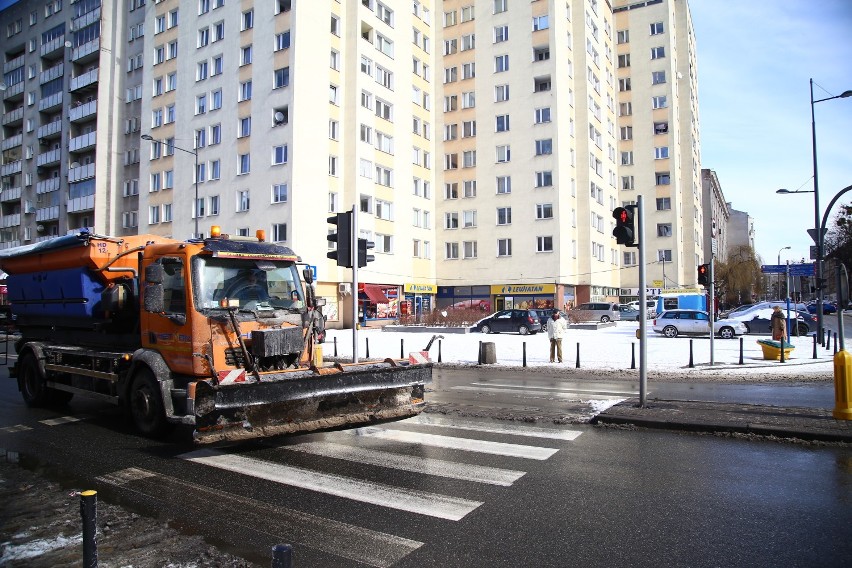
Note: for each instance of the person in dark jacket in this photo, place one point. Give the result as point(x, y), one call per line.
point(778, 324)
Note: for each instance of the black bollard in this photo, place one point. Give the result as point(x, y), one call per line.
point(439, 351)
point(691, 365)
point(89, 513)
point(827, 340)
point(524, 351)
point(367, 355)
point(479, 359)
point(401, 348)
point(578, 355)
point(835, 343)
point(632, 355)
point(335, 346)
point(782, 350)
point(815, 342)
point(282, 556)
point(741, 350)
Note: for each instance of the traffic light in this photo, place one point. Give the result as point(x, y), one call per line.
point(363, 257)
point(624, 231)
point(704, 274)
point(343, 238)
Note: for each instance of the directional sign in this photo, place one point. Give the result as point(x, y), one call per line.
point(813, 234)
point(795, 269)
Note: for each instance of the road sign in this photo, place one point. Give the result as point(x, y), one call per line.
point(813, 252)
point(813, 234)
point(795, 269)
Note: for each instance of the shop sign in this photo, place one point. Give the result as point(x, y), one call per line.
point(510, 289)
point(420, 288)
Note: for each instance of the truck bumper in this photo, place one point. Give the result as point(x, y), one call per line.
point(304, 401)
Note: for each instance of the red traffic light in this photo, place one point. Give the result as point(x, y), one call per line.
point(623, 216)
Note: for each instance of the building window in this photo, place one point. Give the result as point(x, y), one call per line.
point(451, 191)
point(624, 60)
point(244, 164)
point(245, 91)
point(279, 232)
point(282, 40)
point(622, 36)
point(501, 93)
point(662, 178)
point(451, 220)
point(281, 78)
point(625, 109)
point(502, 123)
point(501, 33)
point(658, 52)
point(501, 63)
point(541, 84)
point(664, 255)
point(504, 215)
point(661, 127)
point(504, 184)
point(627, 182)
point(279, 155)
point(469, 249)
point(544, 211)
point(544, 179)
point(544, 147)
point(659, 102)
point(248, 20)
point(245, 55)
point(664, 229)
point(504, 247)
point(626, 132)
point(504, 153)
point(657, 28)
point(469, 219)
point(627, 158)
point(243, 200)
point(540, 22)
point(624, 84)
point(658, 77)
point(544, 244)
point(664, 204)
point(661, 152)
point(542, 115)
point(201, 104)
point(452, 251)
point(244, 127)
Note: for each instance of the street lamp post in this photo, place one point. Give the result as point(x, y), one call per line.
point(194, 153)
point(779, 275)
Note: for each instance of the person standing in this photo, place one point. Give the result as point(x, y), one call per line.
point(778, 324)
point(556, 329)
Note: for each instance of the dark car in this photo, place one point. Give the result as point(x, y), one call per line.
point(519, 321)
point(760, 323)
point(544, 314)
point(827, 308)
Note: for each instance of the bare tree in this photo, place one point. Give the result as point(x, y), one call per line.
point(739, 277)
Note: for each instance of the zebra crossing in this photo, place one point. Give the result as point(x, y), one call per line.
point(405, 446)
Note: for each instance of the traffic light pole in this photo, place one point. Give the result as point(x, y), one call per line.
point(711, 308)
point(643, 303)
point(355, 299)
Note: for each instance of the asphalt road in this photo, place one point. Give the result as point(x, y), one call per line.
point(467, 491)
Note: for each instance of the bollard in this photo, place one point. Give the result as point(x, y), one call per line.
point(781, 358)
point(524, 351)
point(367, 354)
point(842, 386)
point(479, 358)
point(578, 356)
point(741, 350)
point(335, 346)
point(690, 355)
point(827, 340)
point(401, 348)
point(815, 342)
point(835, 343)
point(632, 355)
point(282, 556)
point(89, 513)
point(439, 351)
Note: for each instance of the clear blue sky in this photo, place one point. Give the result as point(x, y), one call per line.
point(755, 58)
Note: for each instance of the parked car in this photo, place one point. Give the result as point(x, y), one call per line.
point(672, 323)
point(544, 314)
point(628, 312)
point(746, 308)
point(520, 321)
point(827, 308)
point(759, 322)
point(596, 311)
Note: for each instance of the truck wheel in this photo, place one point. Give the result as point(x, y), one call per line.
point(146, 405)
point(32, 385)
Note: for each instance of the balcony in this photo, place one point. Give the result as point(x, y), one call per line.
point(10, 194)
point(13, 117)
point(50, 74)
point(89, 51)
point(12, 220)
point(49, 157)
point(79, 204)
point(14, 92)
point(11, 142)
point(11, 168)
point(13, 64)
point(53, 100)
point(79, 173)
point(84, 111)
point(84, 80)
point(82, 142)
point(54, 48)
point(86, 19)
point(47, 186)
point(9, 244)
point(47, 213)
point(50, 130)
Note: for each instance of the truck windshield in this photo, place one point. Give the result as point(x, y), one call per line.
point(253, 283)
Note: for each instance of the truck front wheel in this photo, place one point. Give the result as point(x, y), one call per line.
point(146, 405)
point(32, 385)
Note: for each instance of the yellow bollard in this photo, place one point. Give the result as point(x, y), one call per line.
point(842, 386)
point(317, 355)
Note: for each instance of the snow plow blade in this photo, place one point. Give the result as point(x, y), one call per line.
point(343, 396)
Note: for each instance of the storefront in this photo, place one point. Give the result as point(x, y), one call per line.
point(464, 297)
point(523, 296)
point(418, 300)
point(377, 302)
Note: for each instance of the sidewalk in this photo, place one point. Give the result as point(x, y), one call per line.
point(696, 416)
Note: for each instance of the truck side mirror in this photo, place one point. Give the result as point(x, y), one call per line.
point(308, 275)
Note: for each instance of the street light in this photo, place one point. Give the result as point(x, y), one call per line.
point(194, 153)
point(779, 275)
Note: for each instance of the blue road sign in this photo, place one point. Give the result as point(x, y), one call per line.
point(795, 269)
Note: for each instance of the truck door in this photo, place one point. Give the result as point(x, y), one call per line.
point(170, 332)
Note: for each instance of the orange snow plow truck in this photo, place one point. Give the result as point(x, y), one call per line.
point(216, 333)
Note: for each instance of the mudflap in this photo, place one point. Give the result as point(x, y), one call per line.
point(344, 396)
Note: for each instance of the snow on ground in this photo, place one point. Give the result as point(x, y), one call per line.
point(607, 350)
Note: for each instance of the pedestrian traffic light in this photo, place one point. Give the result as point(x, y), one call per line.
point(704, 274)
point(624, 232)
point(363, 257)
point(343, 238)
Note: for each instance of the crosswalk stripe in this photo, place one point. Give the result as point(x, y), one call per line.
point(366, 546)
point(531, 387)
point(420, 502)
point(569, 395)
point(15, 428)
point(510, 429)
point(464, 444)
point(61, 420)
point(416, 464)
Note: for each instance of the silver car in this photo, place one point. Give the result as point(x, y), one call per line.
point(672, 323)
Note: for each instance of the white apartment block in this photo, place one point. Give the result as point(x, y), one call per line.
point(659, 144)
point(67, 148)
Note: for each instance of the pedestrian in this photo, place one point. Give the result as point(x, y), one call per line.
point(556, 329)
point(778, 324)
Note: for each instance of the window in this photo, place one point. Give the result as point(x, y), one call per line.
point(218, 65)
point(469, 249)
point(469, 159)
point(248, 20)
point(501, 33)
point(658, 77)
point(384, 110)
point(468, 129)
point(504, 215)
point(500, 6)
point(281, 78)
point(664, 203)
point(502, 123)
point(658, 52)
point(282, 40)
point(244, 164)
point(504, 184)
point(215, 169)
point(452, 251)
point(450, 19)
point(625, 109)
point(657, 28)
point(664, 255)
point(544, 179)
point(661, 127)
point(540, 22)
point(333, 94)
point(243, 201)
point(200, 138)
point(544, 211)
point(468, 41)
point(624, 84)
point(467, 13)
point(153, 214)
point(469, 219)
point(201, 71)
point(384, 45)
point(279, 155)
point(627, 182)
point(542, 115)
point(244, 127)
point(664, 229)
point(203, 38)
point(469, 188)
point(504, 247)
point(624, 60)
point(501, 93)
point(451, 161)
point(218, 31)
point(245, 90)
point(541, 53)
point(384, 77)
point(245, 55)
point(659, 102)
point(451, 131)
point(468, 70)
point(541, 84)
point(501, 63)
point(622, 36)
point(384, 176)
point(544, 147)
point(384, 210)
point(661, 152)
point(544, 244)
point(626, 132)
point(451, 220)
point(451, 191)
point(662, 178)
point(201, 104)
point(451, 74)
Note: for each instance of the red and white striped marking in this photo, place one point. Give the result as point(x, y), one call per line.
point(418, 357)
point(231, 377)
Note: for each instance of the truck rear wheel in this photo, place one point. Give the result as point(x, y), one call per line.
point(32, 385)
point(146, 405)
